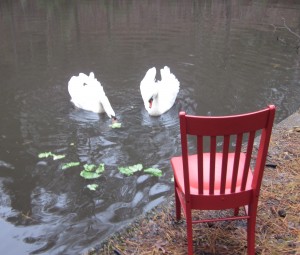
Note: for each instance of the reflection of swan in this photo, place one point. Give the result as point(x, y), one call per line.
point(159, 96)
point(87, 93)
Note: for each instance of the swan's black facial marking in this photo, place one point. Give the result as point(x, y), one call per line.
point(114, 118)
point(84, 84)
point(150, 102)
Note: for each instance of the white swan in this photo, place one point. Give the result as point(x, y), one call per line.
point(87, 93)
point(159, 96)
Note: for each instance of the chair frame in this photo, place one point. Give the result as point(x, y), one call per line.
point(222, 192)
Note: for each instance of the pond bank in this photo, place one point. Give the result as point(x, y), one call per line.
point(277, 229)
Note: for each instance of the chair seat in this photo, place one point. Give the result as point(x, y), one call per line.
point(193, 173)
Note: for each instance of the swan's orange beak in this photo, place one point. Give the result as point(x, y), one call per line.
point(150, 102)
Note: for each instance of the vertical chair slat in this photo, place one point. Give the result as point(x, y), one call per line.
point(200, 164)
point(224, 163)
point(184, 149)
point(236, 161)
point(212, 163)
point(248, 159)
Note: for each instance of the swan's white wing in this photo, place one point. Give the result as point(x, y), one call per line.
point(165, 73)
point(98, 95)
point(87, 93)
point(150, 75)
point(148, 86)
point(74, 88)
point(92, 76)
point(82, 76)
point(107, 106)
point(168, 89)
point(169, 80)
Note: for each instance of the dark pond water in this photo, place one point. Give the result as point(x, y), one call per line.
point(229, 56)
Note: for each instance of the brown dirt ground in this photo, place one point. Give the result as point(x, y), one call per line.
point(278, 219)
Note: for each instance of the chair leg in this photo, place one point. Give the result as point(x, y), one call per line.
point(189, 230)
point(251, 229)
point(251, 236)
point(177, 205)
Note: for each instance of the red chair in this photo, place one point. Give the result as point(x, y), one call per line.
point(219, 180)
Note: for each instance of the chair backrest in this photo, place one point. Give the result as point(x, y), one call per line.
point(242, 129)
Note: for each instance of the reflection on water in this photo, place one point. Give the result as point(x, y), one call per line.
point(226, 55)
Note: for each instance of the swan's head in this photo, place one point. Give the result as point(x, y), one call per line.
point(149, 88)
point(114, 119)
point(152, 95)
point(150, 101)
point(149, 96)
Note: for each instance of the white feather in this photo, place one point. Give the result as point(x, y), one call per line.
point(163, 92)
point(87, 93)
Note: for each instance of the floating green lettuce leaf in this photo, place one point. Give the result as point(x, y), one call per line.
point(89, 175)
point(100, 169)
point(91, 171)
point(92, 186)
point(94, 168)
point(89, 167)
point(55, 157)
point(116, 125)
point(70, 164)
point(50, 154)
point(153, 171)
point(45, 154)
point(130, 170)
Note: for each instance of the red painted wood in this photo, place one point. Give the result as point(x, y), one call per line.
point(222, 179)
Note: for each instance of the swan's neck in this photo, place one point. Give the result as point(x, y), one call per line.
point(107, 106)
point(155, 106)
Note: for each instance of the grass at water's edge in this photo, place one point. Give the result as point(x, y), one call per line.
point(278, 217)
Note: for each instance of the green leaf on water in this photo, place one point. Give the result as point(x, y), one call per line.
point(45, 154)
point(92, 186)
point(70, 164)
point(100, 169)
point(130, 170)
point(89, 175)
point(116, 125)
point(50, 154)
point(153, 171)
point(89, 167)
point(91, 171)
point(55, 157)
